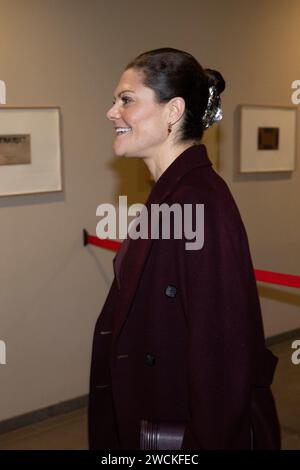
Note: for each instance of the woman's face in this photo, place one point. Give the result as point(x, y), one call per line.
point(140, 124)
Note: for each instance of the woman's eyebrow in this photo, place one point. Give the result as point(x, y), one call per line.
point(124, 91)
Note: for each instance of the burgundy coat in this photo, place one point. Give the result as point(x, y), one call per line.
point(180, 337)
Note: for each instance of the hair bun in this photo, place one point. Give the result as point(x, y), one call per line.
point(215, 79)
point(216, 85)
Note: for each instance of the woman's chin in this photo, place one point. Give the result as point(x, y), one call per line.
point(119, 152)
point(122, 151)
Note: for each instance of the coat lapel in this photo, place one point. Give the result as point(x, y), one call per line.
point(128, 270)
point(130, 259)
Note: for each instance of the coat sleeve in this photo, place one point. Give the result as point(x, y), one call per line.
point(223, 319)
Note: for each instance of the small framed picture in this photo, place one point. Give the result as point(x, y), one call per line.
point(268, 138)
point(30, 150)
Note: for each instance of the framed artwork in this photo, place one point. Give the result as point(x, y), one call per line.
point(268, 138)
point(30, 150)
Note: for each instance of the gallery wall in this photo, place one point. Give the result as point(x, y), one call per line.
point(70, 53)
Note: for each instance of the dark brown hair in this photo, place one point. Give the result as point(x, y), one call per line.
point(170, 73)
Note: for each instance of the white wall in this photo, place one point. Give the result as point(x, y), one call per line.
point(70, 53)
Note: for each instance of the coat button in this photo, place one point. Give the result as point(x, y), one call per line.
point(150, 359)
point(170, 291)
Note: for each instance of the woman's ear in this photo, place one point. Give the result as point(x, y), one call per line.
point(176, 109)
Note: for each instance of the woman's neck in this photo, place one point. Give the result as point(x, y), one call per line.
point(162, 160)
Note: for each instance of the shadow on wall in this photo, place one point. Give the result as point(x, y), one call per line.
point(292, 298)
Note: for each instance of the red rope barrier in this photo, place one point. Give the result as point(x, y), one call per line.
point(277, 278)
point(261, 276)
point(92, 240)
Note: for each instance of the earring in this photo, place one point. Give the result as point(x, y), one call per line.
point(169, 128)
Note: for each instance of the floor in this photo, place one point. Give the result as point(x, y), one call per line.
point(68, 431)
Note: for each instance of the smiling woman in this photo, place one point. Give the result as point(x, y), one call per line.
point(138, 119)
point(179, 359)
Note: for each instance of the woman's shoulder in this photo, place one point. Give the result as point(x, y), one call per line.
point(205, 186)
point(201, 185)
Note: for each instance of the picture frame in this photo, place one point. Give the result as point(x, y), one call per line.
point(267, 138)
point(30, 150)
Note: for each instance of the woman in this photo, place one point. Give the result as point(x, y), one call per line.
point(179, 359)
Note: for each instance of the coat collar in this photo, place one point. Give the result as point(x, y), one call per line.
point(189, 159)
point(128, 269)
point(192, 157)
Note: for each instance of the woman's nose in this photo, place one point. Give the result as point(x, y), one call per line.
point(113, 113)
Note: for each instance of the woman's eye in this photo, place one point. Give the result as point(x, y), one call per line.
point(126, 100)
